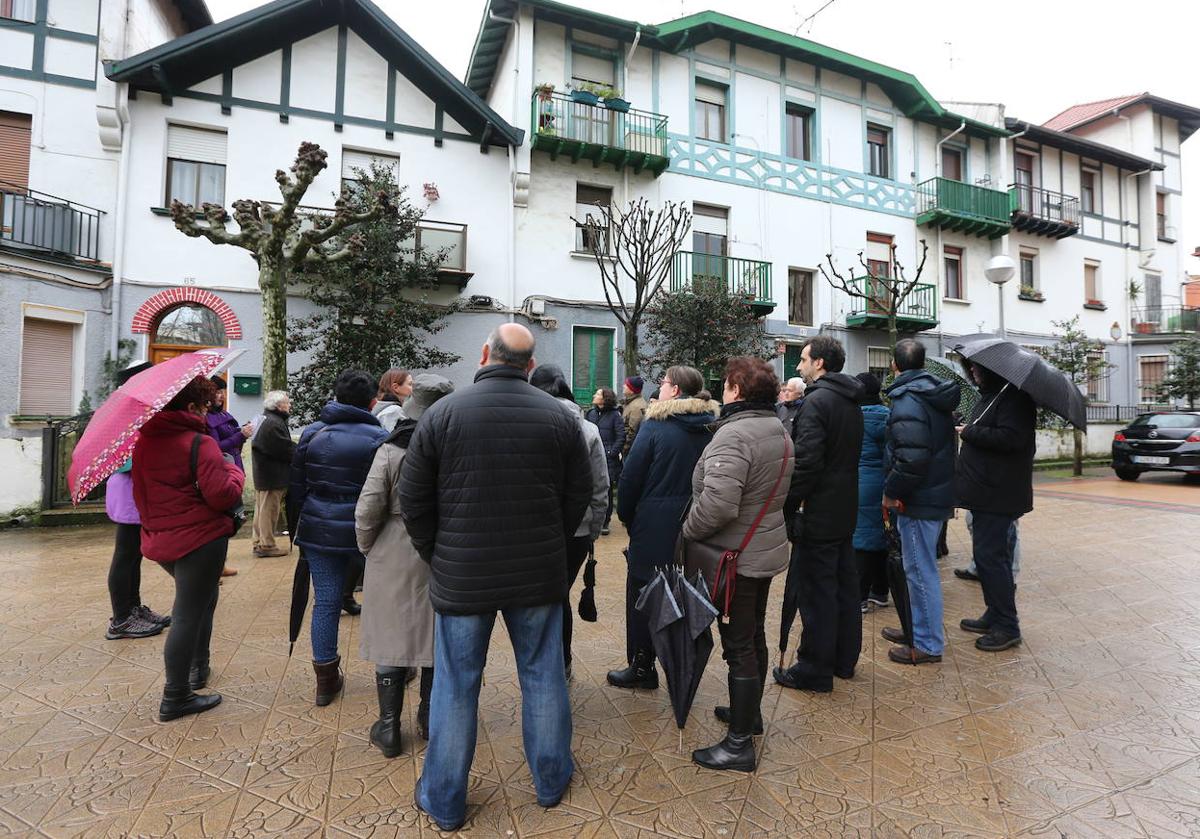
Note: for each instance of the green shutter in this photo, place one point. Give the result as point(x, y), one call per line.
point(591, 362)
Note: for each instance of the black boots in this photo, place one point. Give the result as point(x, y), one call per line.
point(198, 677)
point(639, 674)
point(736, 751)
point(179, 702)
point(722, 712)
point(350, 606)
point(385, 733)
point(329, 681)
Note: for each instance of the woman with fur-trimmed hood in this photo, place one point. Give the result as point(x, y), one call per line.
point(654, 489)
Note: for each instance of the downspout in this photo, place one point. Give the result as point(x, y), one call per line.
point(122, 93)
point(512, 163)
point(637, 37)
point(1128, 276)
point(937, 173)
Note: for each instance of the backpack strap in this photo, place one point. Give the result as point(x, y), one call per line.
point(194, 463)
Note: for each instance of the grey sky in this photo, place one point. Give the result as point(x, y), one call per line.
point(1035, 57)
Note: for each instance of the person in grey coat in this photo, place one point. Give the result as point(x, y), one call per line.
point(550, 378)
point(397, 617)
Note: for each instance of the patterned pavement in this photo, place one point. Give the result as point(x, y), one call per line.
point(1092, 728)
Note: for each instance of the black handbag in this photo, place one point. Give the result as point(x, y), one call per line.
point(238, 511)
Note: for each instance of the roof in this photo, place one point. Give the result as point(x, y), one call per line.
point(674, 35)
point(192, 58)
point(195, 13)
point(1080, 115)
point(1080, 146)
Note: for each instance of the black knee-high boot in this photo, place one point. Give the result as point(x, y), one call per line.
point(385, 733)
point(736, 751)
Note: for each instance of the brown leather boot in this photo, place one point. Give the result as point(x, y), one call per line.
point(329, 681)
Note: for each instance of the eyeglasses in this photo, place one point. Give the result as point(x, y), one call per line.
point(667, 382)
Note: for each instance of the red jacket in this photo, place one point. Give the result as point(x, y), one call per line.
point(175, 520)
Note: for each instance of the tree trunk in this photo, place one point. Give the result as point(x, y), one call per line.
point(272, 283)
point(893, 333)
point(631, 348)
point(1078, 471)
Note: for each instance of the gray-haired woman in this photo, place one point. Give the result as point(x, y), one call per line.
point(271, 458)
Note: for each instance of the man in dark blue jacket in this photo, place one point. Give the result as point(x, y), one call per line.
point(329, 469)
point(919, 485)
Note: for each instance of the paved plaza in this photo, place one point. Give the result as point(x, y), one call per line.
point(1091, 728)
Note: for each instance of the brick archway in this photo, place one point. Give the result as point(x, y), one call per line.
point(148, 312)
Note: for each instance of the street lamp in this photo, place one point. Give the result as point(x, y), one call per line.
point(999, 270)
point(1115, 332)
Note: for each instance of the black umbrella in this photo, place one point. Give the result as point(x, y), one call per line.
point(680, 615)
point(587, 599)
point(897, 581)
point(1026, 370)
point(791, 587)
point(300, 586)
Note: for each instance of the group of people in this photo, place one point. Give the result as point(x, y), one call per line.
point(464, 504)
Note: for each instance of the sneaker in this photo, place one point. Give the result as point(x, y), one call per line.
point(152, 616)
point(605, 530)
point(966, 574)
point(879, 601)
point(263, 553)
point(134, 626)
point(864, 607)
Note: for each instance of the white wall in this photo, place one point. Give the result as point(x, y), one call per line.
point(21, 465)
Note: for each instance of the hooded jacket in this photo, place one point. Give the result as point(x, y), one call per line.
point(593, 521)
point(175, 519)
point(920, 444)
point(223, 428)
point(328, 471)
point(632, 411)
point(868, 532)
point(656, 482)
point(388, 411)
point(995, 466)
point(828, 439)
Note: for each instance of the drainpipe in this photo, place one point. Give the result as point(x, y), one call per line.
point(1128, 276)
point(122, 216)
point(937, 173)
point(512, 163)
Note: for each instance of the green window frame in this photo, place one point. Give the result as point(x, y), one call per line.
point(591, 361)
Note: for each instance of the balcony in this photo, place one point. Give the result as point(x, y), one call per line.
point(1042, 212)
point(748, 278)
point(1158, 322)
point(917, 313)
point(48, 227)
point(450, 239)
point(581, 131)
point(963, 208)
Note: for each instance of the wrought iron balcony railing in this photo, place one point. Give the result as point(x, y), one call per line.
point(580, 130)
point(918, 310)
point(749, 278)
point(1165, 320)
point(1043, 212)
point(48, 225)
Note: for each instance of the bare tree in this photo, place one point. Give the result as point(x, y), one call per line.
point(634, 246)
point(281, 238)
point(883, 294)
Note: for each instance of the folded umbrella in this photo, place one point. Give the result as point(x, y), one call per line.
point(791, 587)
point(587, 598)
point(897, 581)
point(1025, 370)
point(112, 432)
point(300, 586)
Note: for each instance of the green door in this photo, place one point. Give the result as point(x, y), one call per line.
point(591, 362)
point(791, 358)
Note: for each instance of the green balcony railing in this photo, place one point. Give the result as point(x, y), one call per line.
point(580, 130)
point(918, 310)
point(966, 208)
point(750, 278)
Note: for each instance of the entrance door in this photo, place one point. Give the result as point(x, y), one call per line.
point(591, 362)
point(186, 328)
point(1024, 181)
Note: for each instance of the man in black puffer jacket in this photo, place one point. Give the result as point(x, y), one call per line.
point(827, 435)
point(496, 480)
point(919, 485)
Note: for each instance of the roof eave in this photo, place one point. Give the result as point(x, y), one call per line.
point(1082, 146)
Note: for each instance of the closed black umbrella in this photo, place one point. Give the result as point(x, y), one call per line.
point(1027, 371)
point(300, 585)
point(587, 598)
point(791, 588)
point(897, 581)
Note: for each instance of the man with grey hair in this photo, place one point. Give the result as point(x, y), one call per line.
point(271, 457)
point(495, 482)
point(791, 395)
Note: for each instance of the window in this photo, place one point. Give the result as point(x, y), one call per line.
point(710, 241)
point(1097, 385)
point(47, 368)
point(591, 361)
point(1024, 180)
point(1160, 215)
point(952, 163)
point(14, 150)
point(587, 199)
point(879, 264)
point(590, 68)
point(952, 261)
point(1087, 190)
point(190, 325)
point(799, 131)
point(447, 238)
point(879, 362)
point(800, 297)
point(878, 156)
point(195, 165)
point(710, 111)
point(1152, 369)
point(1091, 281)
point(17, 10)
point(1029, 271)
point(357, 163)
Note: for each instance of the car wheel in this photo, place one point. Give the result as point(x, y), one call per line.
point(1127, 474)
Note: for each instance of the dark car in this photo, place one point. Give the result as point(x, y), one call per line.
point(1158, 442)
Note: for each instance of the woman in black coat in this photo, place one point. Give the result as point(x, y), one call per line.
point(606, 416)
point(655, 487)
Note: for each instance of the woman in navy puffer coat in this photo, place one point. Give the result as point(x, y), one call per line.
point(329, 469)
point(606, 416)
point(869, 544)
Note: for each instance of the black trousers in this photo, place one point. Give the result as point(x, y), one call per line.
point(744, 637)
point(993, 564)
point(125, 572)
point(577, 551)
point(355, 566)
point(872, 573)
point(637, 627)
point(608, 513)
point(197, 578)
point(830, 607)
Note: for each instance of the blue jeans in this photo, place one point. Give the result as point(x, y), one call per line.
point(328, 573)
point(460, 646)
point(918, 541)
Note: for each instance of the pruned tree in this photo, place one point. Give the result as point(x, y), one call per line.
point(883, 294)
point(703, 326)
point(282, 237)
point(634, 248)
point(1081, 359)
point(1182, 380)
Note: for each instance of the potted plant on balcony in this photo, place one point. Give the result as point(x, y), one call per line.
point(1028, 292)
point(544, 91)
point(613, 101)
point(586, 93)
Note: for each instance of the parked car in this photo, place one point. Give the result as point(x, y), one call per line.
point(1159, 441)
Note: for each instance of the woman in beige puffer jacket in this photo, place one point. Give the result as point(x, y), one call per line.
point(732, 483)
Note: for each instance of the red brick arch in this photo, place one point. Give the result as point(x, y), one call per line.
point(148, 312)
